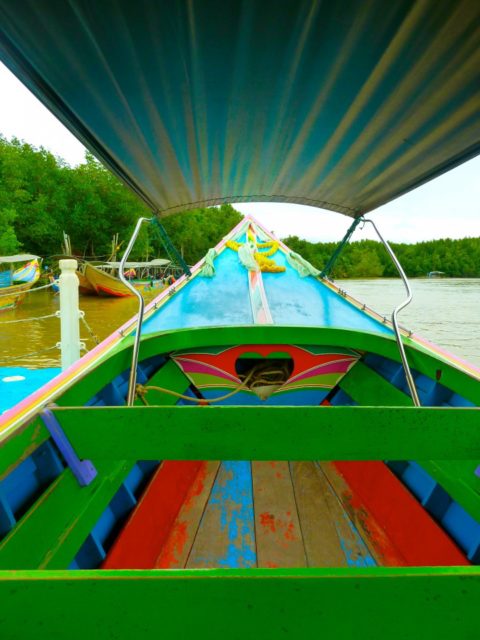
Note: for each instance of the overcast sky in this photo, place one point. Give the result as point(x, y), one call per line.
point(446, 207)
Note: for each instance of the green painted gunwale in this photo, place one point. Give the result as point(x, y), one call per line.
point(421, 359)
point(363, 384)
point(31, 434)
point(457, 477)
point(271, 433)
point(438, 600)
point(261, 603)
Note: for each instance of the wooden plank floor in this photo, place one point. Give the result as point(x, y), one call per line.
point(278, 534)
point(226, 535)
point(275, 514)
point(243, 514)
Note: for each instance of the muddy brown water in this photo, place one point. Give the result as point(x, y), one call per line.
point(445, 311)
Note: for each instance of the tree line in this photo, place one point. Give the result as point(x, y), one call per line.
point(368, 258)
point(41, 197)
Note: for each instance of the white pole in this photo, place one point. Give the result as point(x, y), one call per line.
point(69, 313)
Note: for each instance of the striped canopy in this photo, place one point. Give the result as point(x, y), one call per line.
point(339, 104)
point(21, 257)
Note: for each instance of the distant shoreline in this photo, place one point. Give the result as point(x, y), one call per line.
point(368, 258)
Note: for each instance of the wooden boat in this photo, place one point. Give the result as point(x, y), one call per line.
point(84, 285)
point(104, 282)
point(294, 395)
point(262, 456)
point(101, 278)
point(15, 282)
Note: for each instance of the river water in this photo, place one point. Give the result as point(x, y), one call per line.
point(445, 311)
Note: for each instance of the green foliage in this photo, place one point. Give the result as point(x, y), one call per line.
point(41, 196)
point(100, 207)
point(9, 244)
point(195, 232)
point(368, 259)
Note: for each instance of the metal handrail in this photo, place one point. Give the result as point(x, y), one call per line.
point(396, 328)
point(132, 381)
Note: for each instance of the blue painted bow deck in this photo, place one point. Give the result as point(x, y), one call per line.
point(16, 383)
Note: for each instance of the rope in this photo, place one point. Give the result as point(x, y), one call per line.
point(28, 355)
point(142, 392)
point(270, 376)
point(93, 336)
point(52, 315)
point(262, 368)
point(22, 293)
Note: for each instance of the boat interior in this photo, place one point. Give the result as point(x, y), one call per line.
point(371, 495)
point(258, 454)
point(320, 462)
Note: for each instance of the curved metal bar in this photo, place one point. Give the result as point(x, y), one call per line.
point(132, 381)
point(396, 328)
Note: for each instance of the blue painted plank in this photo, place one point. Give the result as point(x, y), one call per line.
point(294, 300)
point(203, 302)
point(226, 535)
point(16, 383)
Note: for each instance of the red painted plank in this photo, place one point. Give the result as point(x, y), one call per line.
point(409, 527)
point(175, 552)
point(147, 529)
point(379, 544)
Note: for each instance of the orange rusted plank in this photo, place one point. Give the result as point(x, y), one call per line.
point(277, 528)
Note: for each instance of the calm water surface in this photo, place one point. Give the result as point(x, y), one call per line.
point(31, 344)
point(445, 311)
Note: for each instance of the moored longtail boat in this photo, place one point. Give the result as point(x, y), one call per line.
point(84, 285)
point(263, 455)
point(104, 279)
point(15, 281)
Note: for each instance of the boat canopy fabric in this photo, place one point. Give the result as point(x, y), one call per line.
point(157, 262)
point(21, 257)
point(339, 104)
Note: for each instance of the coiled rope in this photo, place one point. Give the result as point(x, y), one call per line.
point(265, 378)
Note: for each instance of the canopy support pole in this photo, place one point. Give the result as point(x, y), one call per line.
point(141, 305)
point(396, 328)
point(330, 264)
point(170, 248)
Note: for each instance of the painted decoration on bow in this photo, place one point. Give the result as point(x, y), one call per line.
point(273, 373)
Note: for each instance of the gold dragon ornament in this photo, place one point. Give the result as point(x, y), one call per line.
point(263, 259)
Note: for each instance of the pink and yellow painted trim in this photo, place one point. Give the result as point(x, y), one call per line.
point(311, 369)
